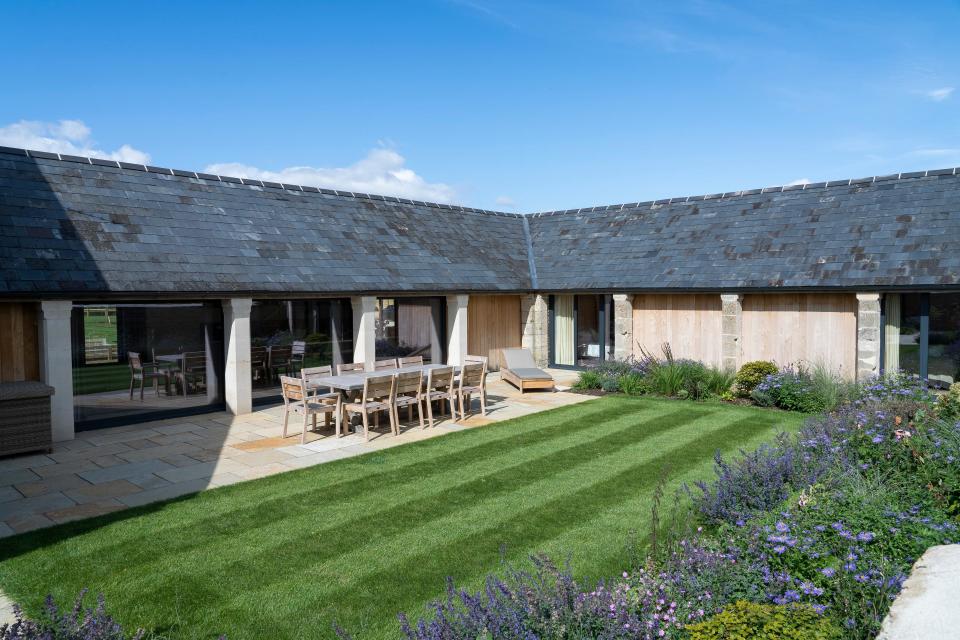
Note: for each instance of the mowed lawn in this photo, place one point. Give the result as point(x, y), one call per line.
point(356, 541)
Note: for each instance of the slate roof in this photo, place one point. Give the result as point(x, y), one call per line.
point(900, 231)
point(79, 226)
point(74, 225)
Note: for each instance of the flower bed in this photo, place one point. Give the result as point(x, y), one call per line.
point(809, 537)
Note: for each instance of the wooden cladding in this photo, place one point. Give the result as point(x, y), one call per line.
point(493, 323)
point(19, 342)
point(801, 328)
point(690, 323)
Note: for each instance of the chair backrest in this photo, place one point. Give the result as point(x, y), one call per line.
point(194, 360)
point(258, 356)
point(307, 374)
point(349, 367)
point(439, 379)
point(298, 348)
point(471, 375)
point(518, 359)
point(385, 365)
point(468, 359)
point(280, 355)
point(294, 389)
point(410, 361)
point(133, 359)
point(408, 384)
point(379, 387)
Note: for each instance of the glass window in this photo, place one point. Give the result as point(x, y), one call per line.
point(563, 338)
point(135, 362)
point(589, 338)
point(908, 341)
point(288, 335)
point(943, 365)
point(411, 327)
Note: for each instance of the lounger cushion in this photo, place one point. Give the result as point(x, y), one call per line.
point(515, 359)
point(531, 374)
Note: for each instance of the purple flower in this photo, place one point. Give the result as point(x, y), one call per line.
point(828, 571)
point(866, 536)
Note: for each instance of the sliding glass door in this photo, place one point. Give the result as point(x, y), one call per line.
point(922, 335)
point(581, 330)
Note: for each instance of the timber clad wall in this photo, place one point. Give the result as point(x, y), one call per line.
point(813, 328)
point(19, 344)
point(690, 323)
point(493, 323)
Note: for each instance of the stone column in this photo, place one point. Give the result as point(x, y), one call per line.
point(622, 326)
point(364, 330)
point(536, 317)
point(56, 366)
point(868, 335)
point(457, 327)
point(237, 383)
point(731, 328)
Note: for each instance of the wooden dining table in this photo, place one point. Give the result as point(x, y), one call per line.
point(353, 381)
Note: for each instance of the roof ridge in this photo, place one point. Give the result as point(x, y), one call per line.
point(907, 175)
point(47, 155)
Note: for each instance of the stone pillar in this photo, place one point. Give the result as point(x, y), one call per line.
point(364, 330)
point(622, 326)
point(457, 327)
point(731, 328)
point(868, 335)
point(237, 383)
point(536, 318)
point(56, 366)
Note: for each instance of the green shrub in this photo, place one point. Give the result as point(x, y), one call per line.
point(751, 374)
point(610, 384)
point(588, 379)
point(719, 381)
point(750, 621)
point(633, 384)
point(948, 406)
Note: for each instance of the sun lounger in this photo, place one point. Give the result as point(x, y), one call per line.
point(521, 371)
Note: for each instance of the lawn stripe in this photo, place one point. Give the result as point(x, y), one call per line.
point(249, 518)
point(529, 525)
point(394, 520)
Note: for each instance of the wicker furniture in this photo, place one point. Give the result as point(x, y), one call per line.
point(25, 417)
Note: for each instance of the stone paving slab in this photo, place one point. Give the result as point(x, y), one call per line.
point(927, 606)
point(106, 470)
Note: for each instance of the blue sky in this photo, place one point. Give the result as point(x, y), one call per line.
point(518, 105)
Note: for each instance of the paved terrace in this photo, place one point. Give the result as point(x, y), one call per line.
point(111, 469)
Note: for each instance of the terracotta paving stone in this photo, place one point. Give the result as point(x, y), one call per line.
point(86, 510)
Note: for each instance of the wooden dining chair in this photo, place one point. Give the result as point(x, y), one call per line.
point(410, 361)
point(408, 392)
point(468, 359)
point(298, 353)
point(385, 365)
point(259, 363)
point(439, 387)
point(472, 381)
point(297, 399)
point(143, 371)
point(350, 367)
point(192, 371)
point(377, 396)
point(308, 375)
point(281, 360)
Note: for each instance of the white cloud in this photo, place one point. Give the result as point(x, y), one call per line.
point(934, 153)
point(939, 95)
point(72, 137)
point(799, 181)
point(382, 171)
point(505, 201)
